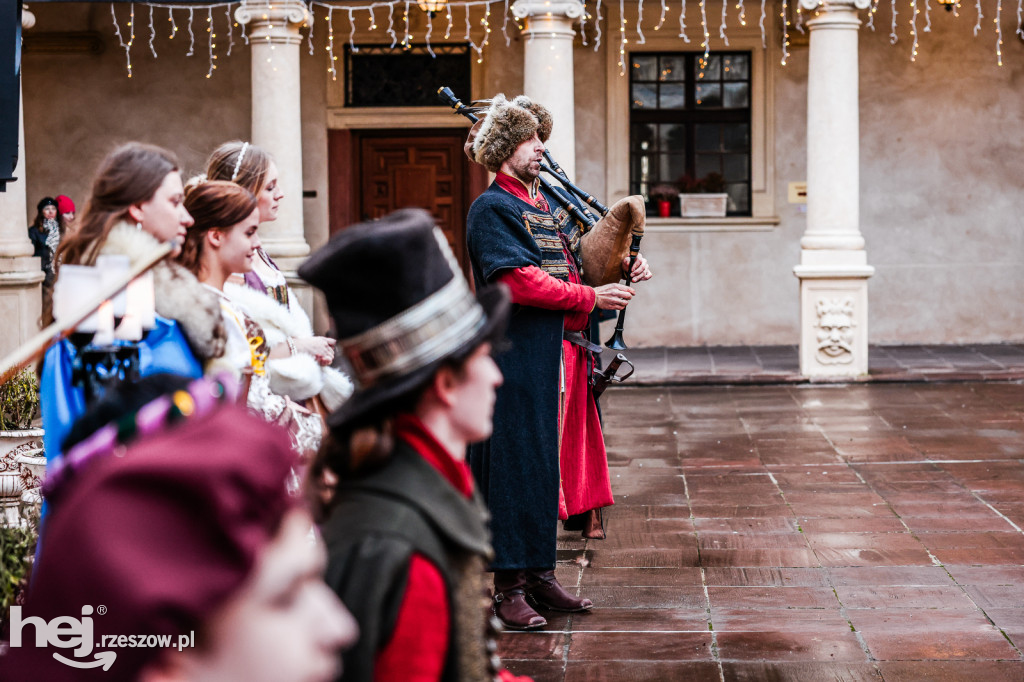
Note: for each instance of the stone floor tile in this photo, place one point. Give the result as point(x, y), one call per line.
point(875, 524)
point(799, 672)
point(951, 671)
point(912, 634)
point(967, 574)
point(641, 620)
point(649, 671)
point(993, 595)
point(796, 558)
point(539, 671)
point(677, 596)
point(848, 556)
point(755, 540)
point(762, 576)
point(990, 557)
point(533, 645)
point(651, 646)
point(904, 597)
point(767, 644)
point(748, 619)
point(642, 558)
point(889, 575)
point(762, 596)
point(641, 577)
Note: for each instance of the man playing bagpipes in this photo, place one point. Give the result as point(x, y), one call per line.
point(546, 458)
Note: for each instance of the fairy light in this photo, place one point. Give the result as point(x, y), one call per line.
point(1020, 18)
point(661, 19)
point(956, 9)
point(191, 35)
point(977, 26)
point(914, 11)
point(892, 35)
point(373, 18)
point(505, 23)
point(406, 39)
point(174, 26)
point(597, 37)
point(487, 33)
point(352, 32)
point(467, 37)
point(332, 65)
point(131, 24)
point(764, 14)
point(120, 40)
point(707, 36)
point(927, 16)
point(785, 31)
point(871, 14)
point(232, 24)
point(430, 30)
point(743, 13)
point(721, 28)
point(622, 38)
point(640, 39)
point(152, 31)
point(391, 26)
point(309, 36)
point(245, 35)
point(583, 24)
point(448, 28)
point(999, 33)
point(682, 22)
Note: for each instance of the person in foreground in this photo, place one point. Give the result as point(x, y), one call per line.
point(173, 521)
point(406, 533)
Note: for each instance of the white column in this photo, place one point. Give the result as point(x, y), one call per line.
point(20, 274)
point(276, 116)
point(548, 69)
point(833, 268)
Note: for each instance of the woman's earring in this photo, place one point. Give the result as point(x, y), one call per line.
point(138, 226)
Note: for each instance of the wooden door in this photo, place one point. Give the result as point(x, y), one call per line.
point(417, 169)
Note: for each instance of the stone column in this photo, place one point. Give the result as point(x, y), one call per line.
point(833, 267)
point(20, 273)
point(276, 116)
point(548, 69)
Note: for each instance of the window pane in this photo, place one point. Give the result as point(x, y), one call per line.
point(734, 167)
point(672, 138)
point(645, 96)
point(712, 70)
point(673, 96)
point(672, 167)
point(736, 67)
point(708, 95)
point(737, 95)
point(708, 137)
point(645, 67)
point(708, 163)
point(642, 136)
point(673, 69)
point(739, 197)
point(736, 137)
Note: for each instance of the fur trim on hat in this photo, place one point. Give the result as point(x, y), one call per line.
point(179, 295)
point(506, 126)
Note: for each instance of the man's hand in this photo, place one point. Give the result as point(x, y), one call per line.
point(613, 296)
point(641, 271)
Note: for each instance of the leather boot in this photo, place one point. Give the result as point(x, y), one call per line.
point(544, 591)
point(510, 605)
point(593, 525)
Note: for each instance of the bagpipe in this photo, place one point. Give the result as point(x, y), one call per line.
point(606, 242)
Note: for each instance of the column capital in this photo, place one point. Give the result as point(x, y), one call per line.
point(273, 21)
point(834, 5)
point(28, 20)
point(568, 9)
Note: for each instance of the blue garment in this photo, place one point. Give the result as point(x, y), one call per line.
point(163, 350)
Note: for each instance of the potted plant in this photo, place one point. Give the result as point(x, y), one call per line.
point(21, 455)
point(663, 195)
point(704, 197)
point(17, 546)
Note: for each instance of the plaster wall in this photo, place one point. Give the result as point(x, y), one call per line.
point(941, 158)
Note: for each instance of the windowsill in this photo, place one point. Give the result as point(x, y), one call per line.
point(745, 224)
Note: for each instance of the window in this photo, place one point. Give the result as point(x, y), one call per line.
point(690, 119)
point(382, 76)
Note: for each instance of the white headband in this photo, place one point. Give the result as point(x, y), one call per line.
point(238, 163)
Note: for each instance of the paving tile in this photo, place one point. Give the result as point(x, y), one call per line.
point(922, 634)
point(760, 576)
point(678, 596)
point(980, 575)
point(744, 619)
point(539, 671)
point(642, 558)
point(905, 597)
point(649, 671)
point(532, 645)
point(990, 595)
point(641, 577)
point(772, 597)
point(889, 575)
point(799, 672)
point(653, 646)
point(874, 524)
point(641, 620)
point(841, 556)
point(772, 645)
point(758, 557)
point(735, 540)
point(980, 556)
point(952, 671)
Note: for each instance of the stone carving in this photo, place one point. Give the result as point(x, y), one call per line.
point(811, 5)
point(835, 331)
point(572, 9)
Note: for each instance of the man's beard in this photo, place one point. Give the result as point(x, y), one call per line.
point(524, 174)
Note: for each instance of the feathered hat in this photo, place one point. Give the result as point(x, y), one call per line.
point(506, 126)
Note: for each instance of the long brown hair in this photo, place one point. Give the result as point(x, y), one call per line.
point(131, 174)
point(214, 205)
point(251, 173)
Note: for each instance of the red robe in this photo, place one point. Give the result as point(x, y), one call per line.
point(585, 482)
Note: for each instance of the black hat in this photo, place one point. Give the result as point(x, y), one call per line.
point(400, 306)
point(44, 202)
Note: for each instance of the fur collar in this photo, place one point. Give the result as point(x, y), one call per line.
point(179, 295)
point(278, 321)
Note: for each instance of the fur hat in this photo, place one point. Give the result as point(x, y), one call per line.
point(506, 126)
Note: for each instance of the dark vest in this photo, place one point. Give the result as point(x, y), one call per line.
point(378, 522)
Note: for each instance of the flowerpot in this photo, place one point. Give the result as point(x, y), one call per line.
point(33, 467)
point(703, 205)
point(13, 443)
point(664, 208)
point(11, 488)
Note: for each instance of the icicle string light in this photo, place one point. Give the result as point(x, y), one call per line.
point(914, 11)
point(309, 36)
point(977, 26)
point(799, 23)
point(430, 30)
point(120, 40)
point(232, 24)
point(871, 14)
point(152, 31)
point(597, 39)
point(583, 25)
point(622, 38)
point(640, 39)
point(661, 19)
point(743, 13)
point(721, 28)
point(892, 35)
point(391, 26)
point(209, 42)
point(332, 65)
point(764, 14)
point(707, 36)
point(785, 31)
point(406, 42)
point(170, 19)
point(191, 35)
point(1020, 18)
point(504, 24)
point(682, 22)
point(352, 32)
point(999, 33)
point(448, 30)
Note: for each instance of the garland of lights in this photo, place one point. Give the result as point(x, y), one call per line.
point(325, 9)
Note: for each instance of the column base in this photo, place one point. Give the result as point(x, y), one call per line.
point(834, 322)
point(20, 301)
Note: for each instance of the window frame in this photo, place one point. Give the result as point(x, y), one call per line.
point(762, 139)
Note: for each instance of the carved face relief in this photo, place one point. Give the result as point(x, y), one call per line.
point(835, 331)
